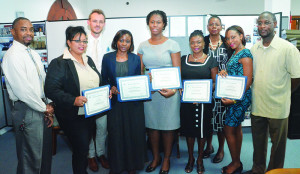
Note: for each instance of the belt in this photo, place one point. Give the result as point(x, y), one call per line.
point(43, 99)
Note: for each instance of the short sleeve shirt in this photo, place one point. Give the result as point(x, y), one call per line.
point(273, 68)
point(155, 56)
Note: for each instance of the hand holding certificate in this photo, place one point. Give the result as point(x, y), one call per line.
point(197, 91)
point(97, 100)
point(231, 87)
point(166, 78)
point(133, 88)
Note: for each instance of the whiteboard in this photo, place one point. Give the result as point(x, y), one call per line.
point(248, 23)
point(56, 37)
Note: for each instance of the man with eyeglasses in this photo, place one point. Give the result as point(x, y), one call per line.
point(32, 115)
point(276, 74)
point(96, 49)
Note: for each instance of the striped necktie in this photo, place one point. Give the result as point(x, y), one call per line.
point(40, 75)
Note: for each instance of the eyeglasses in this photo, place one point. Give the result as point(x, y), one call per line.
point(79, 41)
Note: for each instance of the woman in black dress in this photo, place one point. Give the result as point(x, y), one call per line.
point(126, 120)
point(196, 118)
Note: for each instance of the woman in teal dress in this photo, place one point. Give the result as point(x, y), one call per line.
point(240, 64)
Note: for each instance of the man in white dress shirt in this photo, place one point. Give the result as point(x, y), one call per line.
point(32, 117)
point(96, 49)
point(276, 75)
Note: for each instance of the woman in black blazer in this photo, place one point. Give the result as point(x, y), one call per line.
point(67, 76)
point(125, 121)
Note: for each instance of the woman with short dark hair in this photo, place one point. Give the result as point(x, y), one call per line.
point(126, 120)
point(67, 76)
point(195, 118)
point(162, 112)
point(215, 47)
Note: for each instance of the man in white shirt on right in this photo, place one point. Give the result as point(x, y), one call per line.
point(276, 75)
point(96, 49)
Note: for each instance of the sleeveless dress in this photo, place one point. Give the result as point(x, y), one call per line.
point(235, 114)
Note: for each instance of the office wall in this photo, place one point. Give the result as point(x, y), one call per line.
point(176, 7)
point(37, 10)
point(295, 7)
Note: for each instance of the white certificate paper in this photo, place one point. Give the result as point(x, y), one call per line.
point(168, 78)
point(97, 100)
point(197, 91)
point(231, 87)
point(133, 88)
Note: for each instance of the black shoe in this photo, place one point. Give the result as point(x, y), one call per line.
point(237, 171)
point(163, 171)
point(224, 169)
point(240, 169)
point(151, 169)
point(200, 168)
point(217, 159)
point(189, 166)
point(206, 154)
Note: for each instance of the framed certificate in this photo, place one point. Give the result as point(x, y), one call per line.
point(133, 88)
point(197, 91)
point(97, 100)
point(231, 87)
point(168, 78)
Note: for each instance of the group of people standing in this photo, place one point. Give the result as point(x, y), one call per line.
point(75, 71)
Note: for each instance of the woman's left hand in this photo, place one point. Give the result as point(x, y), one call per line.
point(227, 101)
point(223, 73)
point(167, 92)
point(114, 90)
point(49, 120)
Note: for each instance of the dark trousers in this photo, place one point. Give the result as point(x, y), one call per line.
point(33, 140)
point(79, 133)
point(277, 128)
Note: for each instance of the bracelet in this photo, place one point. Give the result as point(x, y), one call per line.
point(234, 102)
point(174, 90)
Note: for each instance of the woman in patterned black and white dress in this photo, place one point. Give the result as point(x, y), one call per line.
point(215, 46)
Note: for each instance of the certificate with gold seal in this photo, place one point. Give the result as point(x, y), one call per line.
point(98, 100)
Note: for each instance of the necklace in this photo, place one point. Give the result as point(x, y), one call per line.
point(215, 46)
point(241, 48)
point(195, 59)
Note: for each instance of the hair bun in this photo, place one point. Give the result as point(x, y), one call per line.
point(199, 32)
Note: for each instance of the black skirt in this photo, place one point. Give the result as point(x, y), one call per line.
point(195, 120)
point(126, 137)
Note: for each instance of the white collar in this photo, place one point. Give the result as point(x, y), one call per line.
point(68, 55)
